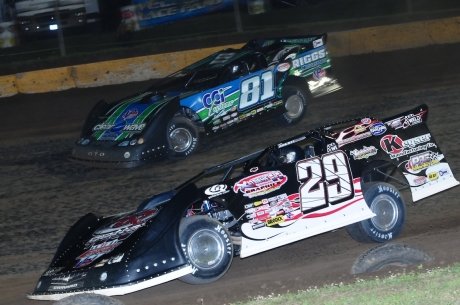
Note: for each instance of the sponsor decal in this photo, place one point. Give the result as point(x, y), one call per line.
point(298, 40)
point(283, 67)
point(386, 236)
point(363, 153)
point(359, 128)
point(216, 190)
point(260, 184)
point(378, 129)
point(258, 225)
point(108, 137)
point(407, 121)
point(272, 211)
point(355, 132)
point(421, 161)
point(215, 100)
point(310, 60)
point(443, 172)
point(71, 286)
point(260, 109)
point(383, 188)
point(217, 122)
point(274, 221)
point(396, 147)
point(69, 278)
point(234, 114)
point(70, 281)
point(116, 259)
point(291, 142)
point(120, 127)
point(354, 138)
point(419, 180)
point(317, 43)
point(433, 176)
point(225, 118)
point(242, 117)
point(331, 147)
point(107, 238)
point(96, 153)
point(131, 113)
point(319, 73)
point(253, 112)
point(254, 169)
point(52, 271)
point(101, 263)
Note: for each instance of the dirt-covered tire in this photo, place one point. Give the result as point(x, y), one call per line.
point(183, 137)
point(295, 102)
point(386, 202)
point(208, 248)
point(389, 255)
point(88, 299)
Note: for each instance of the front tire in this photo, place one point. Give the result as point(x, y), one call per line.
point(183, 137)
point(295, 102)
point(208, 248)
point(386, 202)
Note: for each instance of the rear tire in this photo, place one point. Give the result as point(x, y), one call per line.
point(386, 202)
point(208, 247)
point(295, 102)
point(183, 137)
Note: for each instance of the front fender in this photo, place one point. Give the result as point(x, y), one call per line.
point(155, 134)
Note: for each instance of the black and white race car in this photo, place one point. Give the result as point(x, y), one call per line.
point(227, 90)
point(346, 174)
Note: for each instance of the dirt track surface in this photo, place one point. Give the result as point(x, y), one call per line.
point(42, 194)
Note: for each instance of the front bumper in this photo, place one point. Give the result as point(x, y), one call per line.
point(107, 154)
point(111, 290)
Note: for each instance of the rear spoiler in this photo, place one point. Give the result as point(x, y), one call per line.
point(310, 41)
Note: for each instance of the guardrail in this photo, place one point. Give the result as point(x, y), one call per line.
point(353, 42)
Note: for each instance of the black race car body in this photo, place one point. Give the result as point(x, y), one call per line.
point(224, 91)
point(331, 177)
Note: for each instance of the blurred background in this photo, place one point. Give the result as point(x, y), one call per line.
point(38, 34)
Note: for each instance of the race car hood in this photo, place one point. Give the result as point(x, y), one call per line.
point(118, 254)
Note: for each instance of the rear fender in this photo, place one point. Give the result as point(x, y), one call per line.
point(408, 144)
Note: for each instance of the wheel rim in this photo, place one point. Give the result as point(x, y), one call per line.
point(386, 211)
point(294, 106)
point(205, 249)
point(181, 139)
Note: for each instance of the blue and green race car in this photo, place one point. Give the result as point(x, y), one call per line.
point(224, 91)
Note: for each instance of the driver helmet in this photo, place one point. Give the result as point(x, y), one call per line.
point(291, 154)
